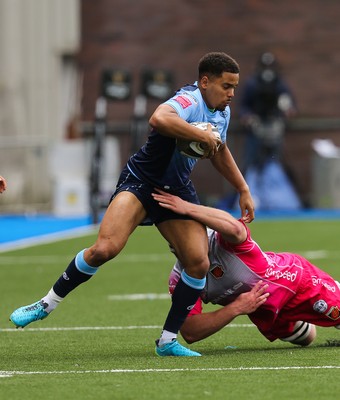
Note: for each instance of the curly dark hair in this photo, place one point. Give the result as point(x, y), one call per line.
point(215, 63)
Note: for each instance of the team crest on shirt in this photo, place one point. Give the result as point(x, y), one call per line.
point(334, 313)
point(320, 306)
point(217, 271)
point(183, 101)
point(225, 113)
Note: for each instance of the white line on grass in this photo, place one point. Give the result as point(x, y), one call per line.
point(104, 328)
point(139, 296)
point(53, 259)
point(82, 328)
point(128, 258)
point(316, 254)
point(8, 374)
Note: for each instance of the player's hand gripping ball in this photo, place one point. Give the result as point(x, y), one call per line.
point(195, 149)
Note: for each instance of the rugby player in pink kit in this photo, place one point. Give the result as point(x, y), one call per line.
point(300, 294)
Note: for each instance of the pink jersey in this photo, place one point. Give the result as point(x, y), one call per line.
point(299, 291)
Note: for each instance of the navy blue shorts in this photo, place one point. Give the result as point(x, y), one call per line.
point(142, 190)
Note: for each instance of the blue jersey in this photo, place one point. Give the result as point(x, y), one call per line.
point(158, 162)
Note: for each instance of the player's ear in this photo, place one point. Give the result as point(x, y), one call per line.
point(204, 81)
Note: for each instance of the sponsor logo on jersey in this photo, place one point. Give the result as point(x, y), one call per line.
point(320, 306)
point(318, 281)
point(333, 313)
point(183, 101)
point(277, 274)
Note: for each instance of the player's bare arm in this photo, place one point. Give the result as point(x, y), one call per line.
point(231, 229)
point(200, 326)
point(167, 122)
point(225, 164)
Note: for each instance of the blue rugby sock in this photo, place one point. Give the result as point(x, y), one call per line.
point(185, 295)
point(76, 273)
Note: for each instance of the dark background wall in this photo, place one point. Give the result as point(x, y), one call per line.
point(173, 35)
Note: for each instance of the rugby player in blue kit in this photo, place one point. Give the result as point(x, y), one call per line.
point(159, 164)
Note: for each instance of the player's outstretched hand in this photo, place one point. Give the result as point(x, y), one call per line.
point(212, 143)
point(167, 200)
point(251, 301)
point(247, 207)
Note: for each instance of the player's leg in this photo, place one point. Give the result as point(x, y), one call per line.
point(303, 334)
point(189, 240)
point(285, 328)
point(124, 213)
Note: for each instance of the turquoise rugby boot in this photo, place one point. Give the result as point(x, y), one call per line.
point(175, 349)
point(27, 314)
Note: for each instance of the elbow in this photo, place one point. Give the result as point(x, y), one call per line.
point(240, 232)
point(189, 337)
point(161, 119)
point(237, 233)
point(153, 121)
point(156, 120)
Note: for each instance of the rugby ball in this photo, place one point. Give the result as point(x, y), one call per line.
point(195, 149)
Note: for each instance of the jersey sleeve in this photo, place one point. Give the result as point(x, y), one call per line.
point(245, 246)
point(248, 251)
point(190, 106)
point(186, 106)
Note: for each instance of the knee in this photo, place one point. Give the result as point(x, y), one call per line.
point(197, 267)
point(101, 252)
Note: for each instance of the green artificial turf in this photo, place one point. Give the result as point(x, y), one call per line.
point(95, 346)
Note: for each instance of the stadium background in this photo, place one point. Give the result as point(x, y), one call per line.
point(54, 54)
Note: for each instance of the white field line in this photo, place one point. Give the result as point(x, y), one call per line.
point(8, 374)
point(139, 296)
point(103, 328)
point(123, 258)
point(316, 254)
point(130, 258)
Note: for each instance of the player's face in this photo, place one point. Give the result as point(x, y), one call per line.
point(218, 92)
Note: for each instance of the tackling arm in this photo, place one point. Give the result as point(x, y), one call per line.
point(231, 229)
point(200, 326)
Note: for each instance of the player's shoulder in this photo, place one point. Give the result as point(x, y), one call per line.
point(190, 90)
point(188, 96)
